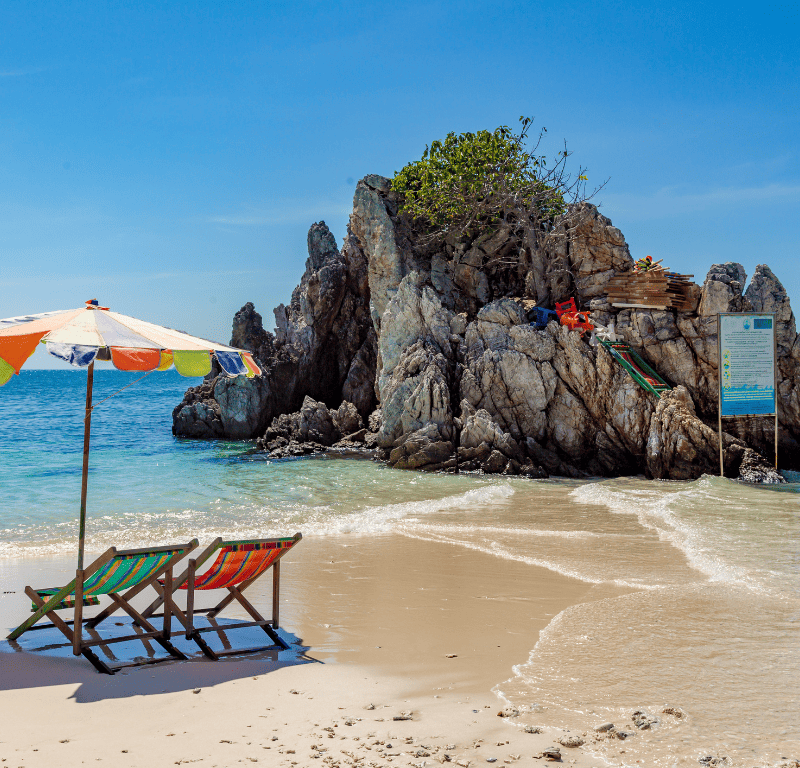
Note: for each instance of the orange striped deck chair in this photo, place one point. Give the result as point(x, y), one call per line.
point(238, 564)
point(132, 570)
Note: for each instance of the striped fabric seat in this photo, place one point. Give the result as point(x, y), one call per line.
point(238, 561)
point(236, 566)
point(121, 572)
point(67, 602)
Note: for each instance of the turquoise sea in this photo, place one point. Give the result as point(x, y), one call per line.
point(695, 600)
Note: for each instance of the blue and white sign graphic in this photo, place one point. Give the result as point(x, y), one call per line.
point(747, 364)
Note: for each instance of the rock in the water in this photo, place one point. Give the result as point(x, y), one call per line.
point(347, 419)
point(429, 342)
point(324, 347)
point(312, 428)
point(680, 446)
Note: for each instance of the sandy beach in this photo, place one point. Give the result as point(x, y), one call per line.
point(386, 627)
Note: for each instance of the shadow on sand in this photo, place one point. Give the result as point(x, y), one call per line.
point(43, 658)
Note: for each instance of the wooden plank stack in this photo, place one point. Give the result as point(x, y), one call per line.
point(654, 289)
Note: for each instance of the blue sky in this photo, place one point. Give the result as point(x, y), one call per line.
point(168, 158)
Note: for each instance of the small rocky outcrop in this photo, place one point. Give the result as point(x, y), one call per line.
point(313, 428)
point(424, 352)
point(324, 347)
point(679, 445)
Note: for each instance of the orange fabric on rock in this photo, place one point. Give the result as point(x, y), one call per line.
point(131, 359)
point(15, 350)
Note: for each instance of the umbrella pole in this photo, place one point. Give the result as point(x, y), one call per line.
point(87, 428)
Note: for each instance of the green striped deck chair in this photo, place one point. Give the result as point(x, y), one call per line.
point(237, 565)
point(131, 570)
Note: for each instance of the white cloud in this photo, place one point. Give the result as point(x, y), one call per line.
point(671, 201)
point(21, 72)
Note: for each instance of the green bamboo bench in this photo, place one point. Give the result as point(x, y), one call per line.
point(115, 570)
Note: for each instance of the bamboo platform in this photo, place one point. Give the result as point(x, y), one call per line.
point(657, 289)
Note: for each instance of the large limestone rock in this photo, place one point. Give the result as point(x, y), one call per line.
point(436, 335)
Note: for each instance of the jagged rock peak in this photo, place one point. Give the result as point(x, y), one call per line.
point(321, 246)
point(248, 333)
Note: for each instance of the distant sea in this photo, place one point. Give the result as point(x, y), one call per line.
point(696, 596)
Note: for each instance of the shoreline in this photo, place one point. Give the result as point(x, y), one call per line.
point(391, 611)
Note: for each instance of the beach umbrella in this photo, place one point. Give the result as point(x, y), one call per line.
point(81, 336)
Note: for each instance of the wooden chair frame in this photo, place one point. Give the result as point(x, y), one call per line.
point(74, 634)
point(189, 577)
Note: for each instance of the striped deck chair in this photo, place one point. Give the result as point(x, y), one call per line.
point(238, 564)
point(132, 570)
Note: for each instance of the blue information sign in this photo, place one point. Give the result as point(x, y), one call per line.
point(747, 364)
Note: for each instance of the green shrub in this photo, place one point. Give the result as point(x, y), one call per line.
point(471, 181)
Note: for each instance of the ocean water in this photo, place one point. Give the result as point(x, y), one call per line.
point(695, 603)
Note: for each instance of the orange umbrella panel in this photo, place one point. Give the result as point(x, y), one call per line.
point(15, 350)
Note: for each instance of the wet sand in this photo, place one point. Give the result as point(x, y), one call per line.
point(385, 627)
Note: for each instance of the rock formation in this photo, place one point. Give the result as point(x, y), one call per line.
point(426, 352)
point(324, 347)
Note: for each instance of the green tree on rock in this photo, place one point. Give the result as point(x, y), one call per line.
point(471, 182)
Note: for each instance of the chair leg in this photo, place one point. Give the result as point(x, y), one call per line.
point(190, 598)
point(166, 626)
point(57, 621)
point(276, 590)
point(60, 624)
point(250, 608)
point(145, 624)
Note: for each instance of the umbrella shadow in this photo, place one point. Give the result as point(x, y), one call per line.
point(46, 660)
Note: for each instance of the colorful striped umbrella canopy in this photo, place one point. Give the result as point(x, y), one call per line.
point(81, 336)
